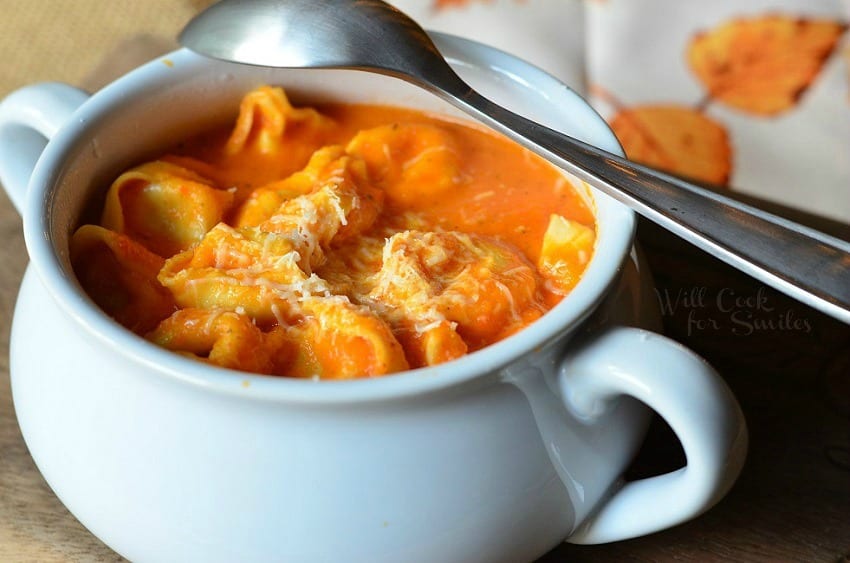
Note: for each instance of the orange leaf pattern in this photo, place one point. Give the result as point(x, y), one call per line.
point(762, 65)
point(677, 139)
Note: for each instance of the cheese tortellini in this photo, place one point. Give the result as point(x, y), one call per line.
point(333, 242)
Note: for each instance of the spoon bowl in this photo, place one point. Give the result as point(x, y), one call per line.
point(371, 35)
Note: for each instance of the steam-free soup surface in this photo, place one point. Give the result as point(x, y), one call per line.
point(339, 242)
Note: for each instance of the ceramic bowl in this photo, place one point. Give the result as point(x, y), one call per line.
point(497, 456)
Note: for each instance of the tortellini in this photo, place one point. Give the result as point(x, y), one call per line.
point(567, 248)
point(120, 276)
point(245, 268)
point(327, 246)
point(481, 286)
point(411, 162)
point(165, 207)
point(339, 340)
point(223, 338)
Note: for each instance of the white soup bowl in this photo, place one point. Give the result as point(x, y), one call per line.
point(497, 456)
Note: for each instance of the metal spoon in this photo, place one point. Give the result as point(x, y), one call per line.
point(373, 36)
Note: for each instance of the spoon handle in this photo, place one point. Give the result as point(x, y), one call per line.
point(807, 265)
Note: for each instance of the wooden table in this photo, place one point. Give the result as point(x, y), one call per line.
point(791, 503)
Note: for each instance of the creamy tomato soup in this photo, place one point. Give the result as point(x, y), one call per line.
point(334, 242)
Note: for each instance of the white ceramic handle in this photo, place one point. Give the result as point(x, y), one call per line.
point(694, 401)
point(29, 118)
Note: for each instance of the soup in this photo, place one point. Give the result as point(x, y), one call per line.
point(334, 242)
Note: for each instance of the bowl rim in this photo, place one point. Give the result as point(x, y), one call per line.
point(615, 233)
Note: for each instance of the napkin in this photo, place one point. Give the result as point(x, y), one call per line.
point(746, 96)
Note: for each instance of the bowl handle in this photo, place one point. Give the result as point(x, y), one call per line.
point(693, 399)
point(29, 118)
